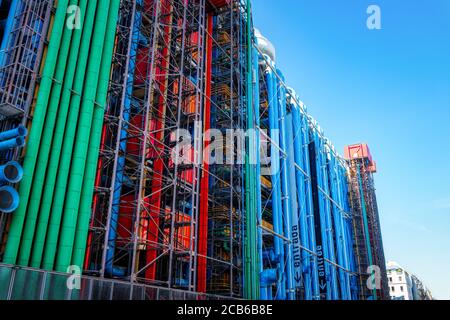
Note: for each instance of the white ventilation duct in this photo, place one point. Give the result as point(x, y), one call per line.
point(265, 46)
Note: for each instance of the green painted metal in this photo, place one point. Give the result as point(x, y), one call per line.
point(58, 170)
point(251, 256)
point(44, 148)
point(87, 192)
point(79, 157)
point(55, 135)
point(17, 224)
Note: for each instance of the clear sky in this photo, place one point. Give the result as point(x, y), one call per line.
point(389, 88)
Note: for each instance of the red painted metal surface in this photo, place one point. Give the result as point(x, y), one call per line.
point(361, 151)
point(358, 151)
point(204, 184)
point(219, 3)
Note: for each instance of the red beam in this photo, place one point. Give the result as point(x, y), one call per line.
point(204, 183)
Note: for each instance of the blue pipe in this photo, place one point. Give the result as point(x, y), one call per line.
point(17, 142)
point(329, 224)
point(12, 172)
point(276, 192)
point(9, 199)
point(334, 183)
point(329, 236)
point(8, 28)
point(119, 179)
point(306, 141)
point(349, 236)
point(302, 198)
point(322, 214)
point(268, 276)
point(20, 131)
point(295, 223)
point(286, 190)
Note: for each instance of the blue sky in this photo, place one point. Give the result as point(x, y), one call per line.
point(389, 88)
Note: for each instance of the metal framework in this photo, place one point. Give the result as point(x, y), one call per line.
point(20, 61)
point(168, 216)
point(145, 222)
point(366, 229)
point(226, 209)
point(154, 220)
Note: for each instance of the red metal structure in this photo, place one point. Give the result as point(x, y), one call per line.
point(204, 186)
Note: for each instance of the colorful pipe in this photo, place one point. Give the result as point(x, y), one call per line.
point(20, 131)
point(286, 189)
point(204, 183)
point(35, 193)
point(11, 172)
point(95, 138)
point(17, 224)
point(276, 180)
point(9, 199)
point(84, 130)
point(124, 132)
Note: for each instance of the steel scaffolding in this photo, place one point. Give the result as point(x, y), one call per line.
point(20, 62)
point(154, 219)
point(21, 59)
point(226, 183)
point(368, 244)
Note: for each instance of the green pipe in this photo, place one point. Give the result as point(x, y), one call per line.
point(44, 148)
point(59, 108)
point(58, 170)
point(251, 273)
point(17, 223)
point(73, 195)
point(87, 193)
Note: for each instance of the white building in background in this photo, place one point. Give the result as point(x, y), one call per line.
point(405, 286)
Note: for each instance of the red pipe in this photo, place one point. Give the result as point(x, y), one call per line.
point(204, 183)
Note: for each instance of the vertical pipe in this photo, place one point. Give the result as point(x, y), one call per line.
point(263, 289)
point(331, 255)
point(204, 183)
point(310, 205)
point(87, 193)
point(35, 194)
point(79, 157)
point(17, 224)
point(302, 198)
point(337, 207)
point(58, 168)
point(251, 274)
point(276, 188)
point(316, 221)
point(124, 132)
point(294, 230)
point(285, 189)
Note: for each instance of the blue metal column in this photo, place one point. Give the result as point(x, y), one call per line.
point(285, 187)
point(302, 196)
point(276, 188)
point(119, 174)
